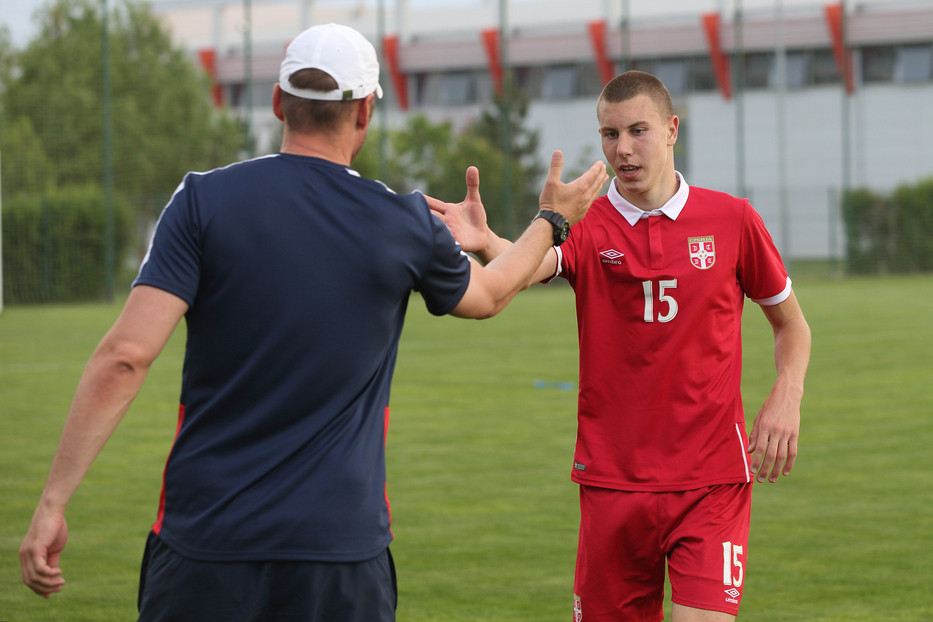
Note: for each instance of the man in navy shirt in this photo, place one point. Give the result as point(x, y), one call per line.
point(293, 275)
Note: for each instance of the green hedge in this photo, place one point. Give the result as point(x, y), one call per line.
point(889, 233)
point(54, 245)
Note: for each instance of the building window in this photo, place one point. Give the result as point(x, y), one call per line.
point(913, 63)
point(680, 75)
point(642, 64)
point(673, 73)
point(590, 82)
point(560, 82)
point(262, 93)
point(878, 63)
point(823, 68)
point(758, 69)
point(700, 75)
point(529, 80)
point(233, 93)
point(425, 91)
point(797, 68)
point(456, 89)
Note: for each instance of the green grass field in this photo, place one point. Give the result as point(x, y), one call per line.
point(485, 515)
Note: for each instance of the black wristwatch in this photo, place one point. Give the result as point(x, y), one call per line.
point(561, 226)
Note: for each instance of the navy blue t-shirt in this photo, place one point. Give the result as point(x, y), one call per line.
point(297, 273)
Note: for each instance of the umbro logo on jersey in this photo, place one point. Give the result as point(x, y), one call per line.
point(612, 256)
point(733, 595)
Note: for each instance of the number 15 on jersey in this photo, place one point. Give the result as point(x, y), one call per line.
point(663, 297)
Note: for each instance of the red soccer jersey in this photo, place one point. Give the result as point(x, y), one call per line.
point(659, 313)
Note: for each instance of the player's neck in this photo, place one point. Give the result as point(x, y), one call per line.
point(653, 198)
point(323, 146)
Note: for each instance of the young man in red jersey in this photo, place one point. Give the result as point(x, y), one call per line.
point(660, 271)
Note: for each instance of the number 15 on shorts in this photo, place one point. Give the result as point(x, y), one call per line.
point(733, 571)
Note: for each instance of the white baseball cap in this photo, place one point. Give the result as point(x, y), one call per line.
point(341, 52)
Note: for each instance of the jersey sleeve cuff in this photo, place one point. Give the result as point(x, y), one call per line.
point(775, 300)
point(560, 260)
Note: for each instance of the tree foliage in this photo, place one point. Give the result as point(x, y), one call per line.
point(889, 233)
point(433, 158)
point(162, 118)
point(52, 129)
point(54, 245)
point(508, 114)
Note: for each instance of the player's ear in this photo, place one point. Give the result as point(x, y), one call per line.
point(364, 113)
point(672, 126)
point(277, 102)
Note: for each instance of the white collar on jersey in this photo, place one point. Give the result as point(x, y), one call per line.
point(633, 214)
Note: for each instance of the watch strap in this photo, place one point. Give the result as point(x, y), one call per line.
point(560, 224)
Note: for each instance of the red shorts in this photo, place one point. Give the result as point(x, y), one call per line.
point(625, 538)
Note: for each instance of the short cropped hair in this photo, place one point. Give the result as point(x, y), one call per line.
point(312, 115)
point(632, 83)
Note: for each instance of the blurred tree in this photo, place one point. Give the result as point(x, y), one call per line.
point(26, 166)
point(433, 157)
point(525, 167)
point(164, 123)
point(7, 53)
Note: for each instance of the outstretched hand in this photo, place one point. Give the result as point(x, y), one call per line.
point(572, 200)
point(466, 219)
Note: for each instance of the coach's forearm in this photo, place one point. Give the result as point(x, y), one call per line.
point(104, 394)
point(493, 287)
point(521, 260)
point(545, 270)
point(497, 245)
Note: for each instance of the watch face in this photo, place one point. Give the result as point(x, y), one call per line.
point(564, 231)
point(560, 224)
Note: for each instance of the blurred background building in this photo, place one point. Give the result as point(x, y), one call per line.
point(786, 105)
point(818, 111)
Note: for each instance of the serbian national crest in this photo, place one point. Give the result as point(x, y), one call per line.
point(702, 251)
